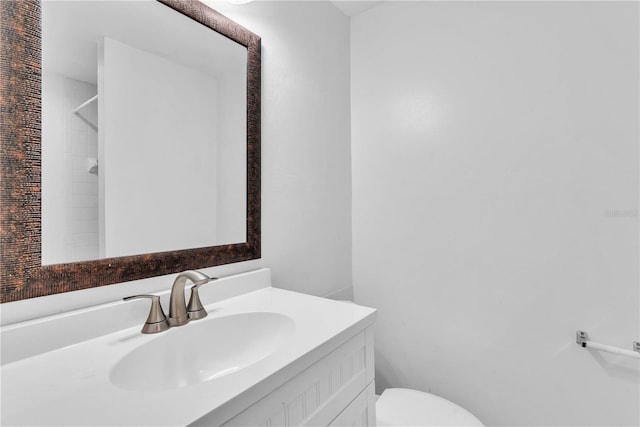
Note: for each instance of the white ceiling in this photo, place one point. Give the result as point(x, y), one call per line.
point(73, 29)
point(353, 8)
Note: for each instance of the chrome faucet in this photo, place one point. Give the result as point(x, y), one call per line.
point(179, 313)
point(156, 321)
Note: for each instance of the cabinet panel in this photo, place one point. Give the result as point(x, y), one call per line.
point(318, 394)
point(361, 412)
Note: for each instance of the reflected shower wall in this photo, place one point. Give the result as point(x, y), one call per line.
point(70, 184)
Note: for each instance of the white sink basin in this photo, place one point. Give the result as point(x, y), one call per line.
point(202, 350)
point(93, 366)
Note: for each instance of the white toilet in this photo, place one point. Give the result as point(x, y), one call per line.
point(405, 407)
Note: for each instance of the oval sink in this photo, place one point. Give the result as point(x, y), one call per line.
point(202, 350)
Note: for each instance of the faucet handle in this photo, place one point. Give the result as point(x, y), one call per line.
point(195, 310)
point(156, 321)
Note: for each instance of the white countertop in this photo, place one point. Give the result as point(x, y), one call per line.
point(71, 385)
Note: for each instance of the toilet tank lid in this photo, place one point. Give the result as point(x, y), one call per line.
point(405, 407)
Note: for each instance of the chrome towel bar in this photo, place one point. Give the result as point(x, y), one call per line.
point(583, 340)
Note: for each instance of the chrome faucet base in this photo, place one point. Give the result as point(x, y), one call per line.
point(195, 309)
point(154, 328)
point(179, 313)
point(156, 321)
point(200, 314)
point(178, 321)
point(177, 305)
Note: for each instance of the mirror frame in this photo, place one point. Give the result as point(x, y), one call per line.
point(22, 274)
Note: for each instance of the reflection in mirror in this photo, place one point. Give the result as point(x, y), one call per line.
point(22, 273)
point(143, 132)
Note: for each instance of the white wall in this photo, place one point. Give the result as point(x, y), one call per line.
point(495, 203)
point(231, 200)
point(146, 158)
point(54, 174)
point(70, 192)
point(306, 190)
point(306, 171)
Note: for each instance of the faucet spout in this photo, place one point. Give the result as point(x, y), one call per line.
point(177, 307)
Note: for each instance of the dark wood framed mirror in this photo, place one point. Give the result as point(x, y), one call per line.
point(22, 272)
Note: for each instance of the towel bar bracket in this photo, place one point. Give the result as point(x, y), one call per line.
point(581, 338)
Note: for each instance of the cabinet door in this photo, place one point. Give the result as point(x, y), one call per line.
point(318, 394)
point(361, 412)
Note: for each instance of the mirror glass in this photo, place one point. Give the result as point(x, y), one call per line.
point(143, 132)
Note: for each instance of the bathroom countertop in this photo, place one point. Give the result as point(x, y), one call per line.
point(71, 385)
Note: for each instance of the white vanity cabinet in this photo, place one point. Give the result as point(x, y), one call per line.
point(307, 362)
point(336, 390)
